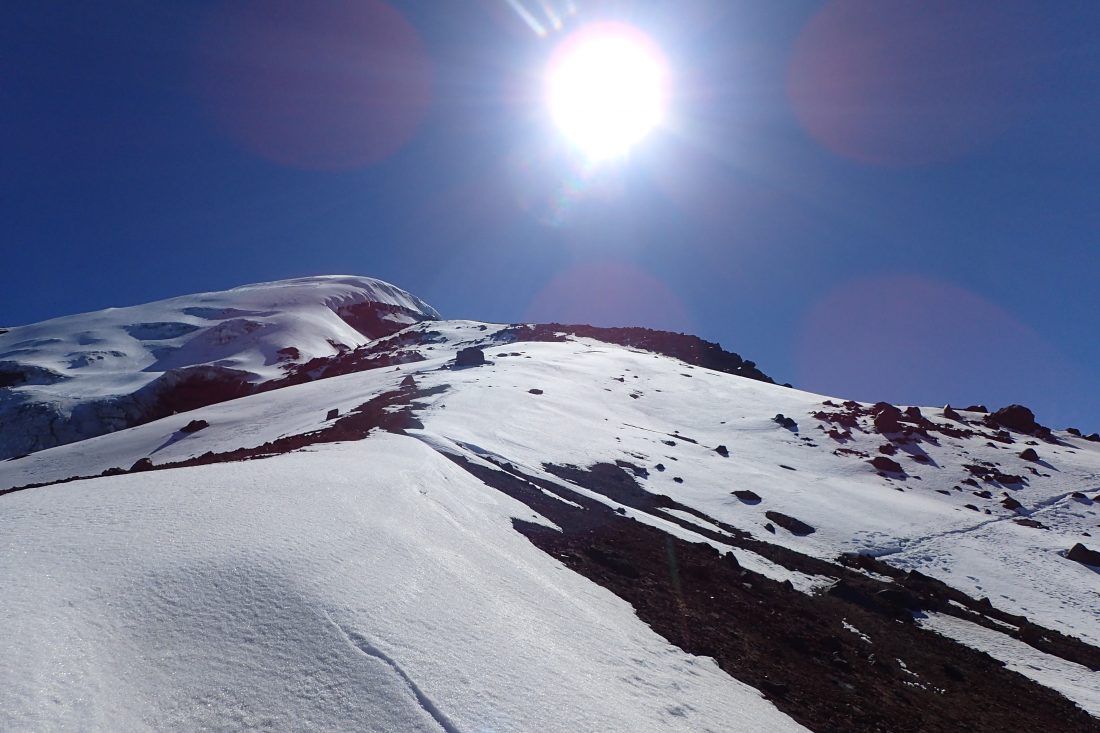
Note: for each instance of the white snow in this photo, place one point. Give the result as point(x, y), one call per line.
point(80, 366)
point(360, 586)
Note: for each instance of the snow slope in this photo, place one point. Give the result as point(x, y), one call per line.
point(273, 593)
point(363, 586)
point(78, 376)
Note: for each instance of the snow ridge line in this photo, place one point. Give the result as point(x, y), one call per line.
point(361, 643)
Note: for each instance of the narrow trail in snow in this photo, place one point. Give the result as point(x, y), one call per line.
point(914, 542)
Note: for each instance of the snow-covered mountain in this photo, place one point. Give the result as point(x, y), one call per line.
point(79, 376)
point(463, 526)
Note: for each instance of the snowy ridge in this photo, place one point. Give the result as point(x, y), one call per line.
point(78, 376)
point(470, 544)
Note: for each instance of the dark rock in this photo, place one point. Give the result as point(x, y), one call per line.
point(888, 449)
point(722, 451)
point(471, 356)
point(1079, 495)
point(332, 414)
point(143, 464)
point(913, 413)
point(1030, 523)
point(747, 496)
point(1074, 431)
point(887, 418)
point(787, 422)
point(789, 523)
point(660, 467)
point(677, 479)
point(769, 527)
point(408, 382)
point(950, 414)
point(194, 426)
point(534, 390)
point(983, 494)
point(971, 506)
point(887, 465)
point(1011, 504)
point(976, 408)
point(289, 353)
point(1085, 556)
point(1095, 437)
point(1016, 417)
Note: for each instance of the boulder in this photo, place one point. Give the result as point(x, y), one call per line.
point(889, 465)
point(143, 464)
point(789, 523)
point(1010, 504)
point(1016, 417)
point(722, 451)
point(408, 382)
point(976, 408)
point(471, 356)
point(747, 496)
point(787, 422)
point(950, 414)
point(1085, 556)
point(194, 426)
point(887, 418)
point(332, 414)
point(1029, 454)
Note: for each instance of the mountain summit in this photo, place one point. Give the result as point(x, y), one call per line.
point(316, 505)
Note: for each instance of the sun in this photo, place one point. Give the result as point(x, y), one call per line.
point(606, 87)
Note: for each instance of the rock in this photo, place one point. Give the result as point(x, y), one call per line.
point(1025, 522)
point(534, 390)
point(332, 414)
point(471, 356)
point(887, 465)
point(677, 479)
point(972, 507)
point(913, 413)
point(769, 527)
point(888, 449)
point(1016, 417)
point(887, 418)
point(408, 382)
point(144, 464)
point(660, 467)
point(789, 523)
point(747, 496)
point(1010, 504)
point(1080, 496)
point(194, 426)
point(1074, 431)
point(950, 414)
point(1085, 556)
point(1095, 437)
point(722, 451)
point(976, 408)
point(787, 422)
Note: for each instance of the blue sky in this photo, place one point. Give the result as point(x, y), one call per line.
point(872, 199)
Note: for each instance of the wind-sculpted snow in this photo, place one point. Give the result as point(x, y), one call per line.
point(80, 376)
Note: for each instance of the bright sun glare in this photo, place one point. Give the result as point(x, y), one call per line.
point(607, 87)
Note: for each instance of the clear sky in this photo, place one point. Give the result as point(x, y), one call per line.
point(876, 199)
